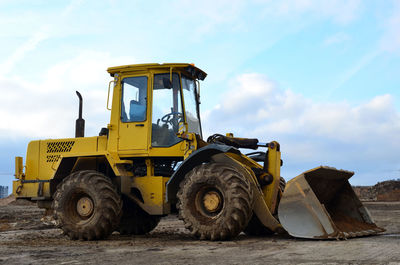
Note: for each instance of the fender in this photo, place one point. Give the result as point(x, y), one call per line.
point(198, 157)
point(68, 164)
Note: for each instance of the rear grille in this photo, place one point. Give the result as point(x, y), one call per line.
point(60, 147)
point(52, 158)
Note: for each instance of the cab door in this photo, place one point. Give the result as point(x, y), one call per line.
point(133, 125)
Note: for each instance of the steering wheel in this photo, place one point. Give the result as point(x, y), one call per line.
point(171, 117)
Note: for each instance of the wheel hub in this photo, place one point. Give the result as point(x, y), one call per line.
point(84, 206)
point(212, 201)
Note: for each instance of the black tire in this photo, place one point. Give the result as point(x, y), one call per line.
point(135, 221)
point(230, 201)
point(282, 184)
point(255, 227)
point(87, 206)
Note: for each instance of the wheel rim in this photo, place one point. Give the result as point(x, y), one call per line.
point(209, 201)
point(212, 201)
point(84, 206)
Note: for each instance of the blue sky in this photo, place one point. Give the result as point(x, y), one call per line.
point(321, 77)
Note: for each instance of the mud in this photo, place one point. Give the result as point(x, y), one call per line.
point(348, 224)
point(24, 239)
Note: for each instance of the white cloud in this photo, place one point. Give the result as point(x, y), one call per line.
point(49, 108)
point(44, 32)
point(335, 133)
point(30, 45)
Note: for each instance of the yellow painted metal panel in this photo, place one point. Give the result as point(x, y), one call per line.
point(30, 190)
point(101, 143)
point(19, 168)
point(274, 168)
point(113, 126)
point(133, 136)
point(32, 160)
point(133, 68)
point(43, 156)
point(152, 189)
point(51, 152)
point(177, 150)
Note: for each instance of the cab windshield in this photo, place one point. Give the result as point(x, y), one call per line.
point(191, 106)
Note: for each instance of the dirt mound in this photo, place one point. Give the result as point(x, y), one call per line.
point(383, 191)
point(7, 200)
point(22, 202)
point(10, 200)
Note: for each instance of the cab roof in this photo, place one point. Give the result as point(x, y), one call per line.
point(190, 69)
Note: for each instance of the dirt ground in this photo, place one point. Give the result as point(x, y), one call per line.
point(26, 240)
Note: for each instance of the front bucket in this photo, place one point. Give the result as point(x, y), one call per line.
point(320, 203)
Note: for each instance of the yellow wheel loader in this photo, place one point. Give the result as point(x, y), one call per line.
point(151, 160)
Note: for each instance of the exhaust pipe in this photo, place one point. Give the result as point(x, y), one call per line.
point(80, 123)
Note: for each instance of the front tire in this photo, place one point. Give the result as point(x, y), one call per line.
point(215, 201)
point(87, 206)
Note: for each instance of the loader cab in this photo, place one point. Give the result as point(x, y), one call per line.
point(150, 102)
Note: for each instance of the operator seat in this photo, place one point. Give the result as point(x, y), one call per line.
point(137, 111)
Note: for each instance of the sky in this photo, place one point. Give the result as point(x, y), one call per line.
point(320, 77)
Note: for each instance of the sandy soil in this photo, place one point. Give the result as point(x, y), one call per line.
point(25, 240)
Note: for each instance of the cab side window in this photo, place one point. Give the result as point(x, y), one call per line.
point(134, 99)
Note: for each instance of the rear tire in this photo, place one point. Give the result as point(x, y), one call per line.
point(87, 206)
point(135, 221)
point(215, 201)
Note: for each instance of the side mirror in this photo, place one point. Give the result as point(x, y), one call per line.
point(167, 82)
